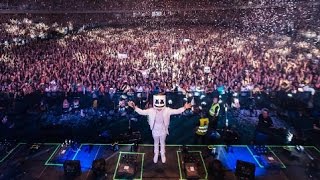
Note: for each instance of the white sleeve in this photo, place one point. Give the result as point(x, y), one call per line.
point(143, 112)
point(176, 111)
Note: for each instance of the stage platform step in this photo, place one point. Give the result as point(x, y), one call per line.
point(24, 161)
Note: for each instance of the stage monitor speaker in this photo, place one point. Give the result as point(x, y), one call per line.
point(72, 168)
point(191, 170)
point(245, 170)
point(217, 170)
point(99, 166)
point(126, 170)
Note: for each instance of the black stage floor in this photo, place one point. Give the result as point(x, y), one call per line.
point(285, 162)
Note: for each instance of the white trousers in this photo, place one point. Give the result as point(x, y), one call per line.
point(162, 141)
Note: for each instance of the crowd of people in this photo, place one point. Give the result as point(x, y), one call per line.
point(163, 59)
point(132, 5)
point(262, 50)
point(234, 48)
point(32, 19)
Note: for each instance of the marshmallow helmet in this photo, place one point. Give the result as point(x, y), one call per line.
point(159, 101)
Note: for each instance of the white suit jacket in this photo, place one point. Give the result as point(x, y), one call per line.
point(167, 112)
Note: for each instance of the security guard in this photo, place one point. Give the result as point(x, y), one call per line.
point(202, 129)
point(203, 126)
point(214, 114)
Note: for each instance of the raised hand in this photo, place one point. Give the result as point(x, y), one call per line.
point(187, 105)
point(131, 104)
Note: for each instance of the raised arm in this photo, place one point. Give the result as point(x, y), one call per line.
point(180, 110)
point(143, 112)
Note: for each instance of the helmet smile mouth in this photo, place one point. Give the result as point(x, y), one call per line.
point(159, 105)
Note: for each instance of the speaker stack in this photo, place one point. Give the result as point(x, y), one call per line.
point(72, 168)
point(98, 167)
point(245, 170)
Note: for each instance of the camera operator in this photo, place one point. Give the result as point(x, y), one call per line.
point(264, 127)
point(265, 122)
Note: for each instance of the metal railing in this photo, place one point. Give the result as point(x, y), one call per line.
point(202, 100)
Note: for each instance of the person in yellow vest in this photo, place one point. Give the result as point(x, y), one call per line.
point(214, 114)
point(203, 126)
point(202, 129)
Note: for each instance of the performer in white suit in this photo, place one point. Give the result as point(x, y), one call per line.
point(159, 120)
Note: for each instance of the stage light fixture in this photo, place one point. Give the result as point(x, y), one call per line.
point(193, 102)
point(123, 96)
point(289, 137)
point(203, 103)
